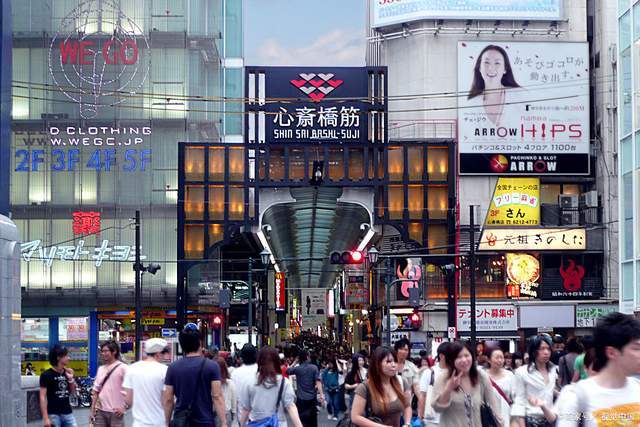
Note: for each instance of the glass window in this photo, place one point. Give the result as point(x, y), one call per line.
point(416, 163)
point(396, 201)
point(194, 163)
point(216, 164)
point(549, 193)
point(627, 208)
point(415, 231)
point(623, 5)
point(625, 31)
point(193, 241)
point(233, 28)
point(236, 202)
point(73, 328)
point(356, 164)
point(233, 83)
point(437, 163)
point(336, 164)
point(194, 202)
point(416, 202)
point(571, 189)
point(636, 21)
point(216, 202)
point(236, 164)
point(396, 162)
point(437, 202)
point(370, 171)
point(627, 156)
point(438, 239)
point(627, 281)
point(276, 164)
point(216, 233)
point(35, 329)
point(625, 91)
point(381, 202)
point(296, 164)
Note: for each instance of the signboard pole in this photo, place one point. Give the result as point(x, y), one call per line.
point(136, 267)
point(472, 276)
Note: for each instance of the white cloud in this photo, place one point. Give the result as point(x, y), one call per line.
point(338, 47)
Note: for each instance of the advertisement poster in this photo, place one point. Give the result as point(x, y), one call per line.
point(389, 12)
point(523, 108)
point(314, 308)
point(410, 269)
point(523, 276)
point(515, 202)
point(489, 317)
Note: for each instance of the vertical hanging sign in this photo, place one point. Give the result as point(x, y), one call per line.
point(280, 295)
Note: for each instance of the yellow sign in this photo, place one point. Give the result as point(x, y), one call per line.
point(152, 321)
point(533, 239)
point(515, 202)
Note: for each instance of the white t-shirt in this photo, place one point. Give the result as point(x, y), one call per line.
point(146, 379)
point(426, 386)
point(604, 406)
point(243, 377)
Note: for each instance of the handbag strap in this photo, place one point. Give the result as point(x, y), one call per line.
point(280, 393)
point(107, 377)
point(198, 383)
point(500, 391)
point(368, 411)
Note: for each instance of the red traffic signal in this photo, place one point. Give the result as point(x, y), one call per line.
point(217, 321)
point(416, 320)
point(347, 257)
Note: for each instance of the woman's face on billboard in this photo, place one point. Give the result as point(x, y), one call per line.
point(492, 68)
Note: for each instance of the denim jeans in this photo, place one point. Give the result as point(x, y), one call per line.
point(62, 420)
point(334, 403)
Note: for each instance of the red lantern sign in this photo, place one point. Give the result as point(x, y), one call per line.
point(280, 295)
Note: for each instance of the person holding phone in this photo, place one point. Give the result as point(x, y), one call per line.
point(460, 392)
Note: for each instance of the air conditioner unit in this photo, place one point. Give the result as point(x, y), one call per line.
point(570, 218)
point(568, 201)
point(589, 199)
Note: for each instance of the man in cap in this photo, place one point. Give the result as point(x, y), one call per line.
point(144, 382)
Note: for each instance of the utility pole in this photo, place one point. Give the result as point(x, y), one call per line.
point(451, 274)
point(472, 275)
point(264, 303)
point(250, 281)
point(137, 268)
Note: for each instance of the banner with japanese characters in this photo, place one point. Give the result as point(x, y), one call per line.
point(489, 317)
point(316, 105)
point(523, 108)
point(515, 202)
point(533, 239)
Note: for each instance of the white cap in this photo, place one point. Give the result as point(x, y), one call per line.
point(154, 345)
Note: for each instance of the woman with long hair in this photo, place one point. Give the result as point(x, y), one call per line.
point(535, 381)
point(382, 400)
point(228, 391)
point(460, 392)
point(502, 381)
point(331, 386)
point(271, 393)
point(356, 376)
point(492, 76)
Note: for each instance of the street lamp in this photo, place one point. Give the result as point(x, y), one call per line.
point(265, 257)
point(373, 254)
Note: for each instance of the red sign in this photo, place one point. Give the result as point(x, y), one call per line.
point(113, 52)
point(86, 222)
point(572, 276)
point(281, 301)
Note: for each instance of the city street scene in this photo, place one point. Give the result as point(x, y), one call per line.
point(337, 213)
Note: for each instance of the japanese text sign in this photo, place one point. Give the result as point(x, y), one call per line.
point(523, 276)
point(498, 317)
point(525, 109)
point(533, 239)
point(515, 202)
point(280, 293)
point(357, 294)
point(86, 222)
point(34, 250)
point(588, 315)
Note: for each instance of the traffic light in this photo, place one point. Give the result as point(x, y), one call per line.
point(347, 257)
point(217, 321)
point(414, 296)
point(416, 320)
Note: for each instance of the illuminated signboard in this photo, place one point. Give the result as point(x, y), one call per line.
point(515, 202)
point(86, 222)
point(523, 276)
point(316, 105)
point(99, 57)
point(36, 251)
point(533, 239)
point(489, 317)
point(280, 293)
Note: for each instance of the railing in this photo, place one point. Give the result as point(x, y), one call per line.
point(439, 129)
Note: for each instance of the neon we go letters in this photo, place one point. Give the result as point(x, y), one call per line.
point(113, 52)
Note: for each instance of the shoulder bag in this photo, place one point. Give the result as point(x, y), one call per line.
point(98, 404)
point(501, 392)
point(273, 420)
point(487, 417)
point(182, 418)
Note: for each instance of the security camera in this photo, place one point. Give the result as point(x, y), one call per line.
point(153, 268)
point(364, 226)
point(266, 228)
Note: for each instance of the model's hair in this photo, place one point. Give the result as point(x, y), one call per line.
point(224, 370)
point(355, 366)
point(535, 343)
point(401, 343)
point(574, 346)
point(248, 354)
point(516, 355)
point(56, 353)
point(477, 86)
point(442, 349)
point(189, 341)
point(614, 330)
point(268, 364)
point(454, 349)
point(112, 346)
point(375, 378)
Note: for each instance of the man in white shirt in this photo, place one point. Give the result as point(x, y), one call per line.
point(143, 385)
point(245, 375)
point(612, 396)
point(425, 411)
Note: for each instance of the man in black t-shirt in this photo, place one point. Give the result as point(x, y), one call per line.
point(201, 392)
point(56, 384)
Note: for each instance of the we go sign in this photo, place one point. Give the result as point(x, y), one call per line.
point(113, 51)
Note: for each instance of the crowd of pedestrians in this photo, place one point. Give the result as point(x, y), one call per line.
point(591, 381)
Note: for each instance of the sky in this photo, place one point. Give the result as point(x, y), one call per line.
point(304, 32)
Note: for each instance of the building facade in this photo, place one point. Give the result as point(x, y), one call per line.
point(629, 153)
point(435, 57)
point(103, 92)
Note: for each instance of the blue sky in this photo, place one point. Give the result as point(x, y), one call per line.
point(304, 32)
